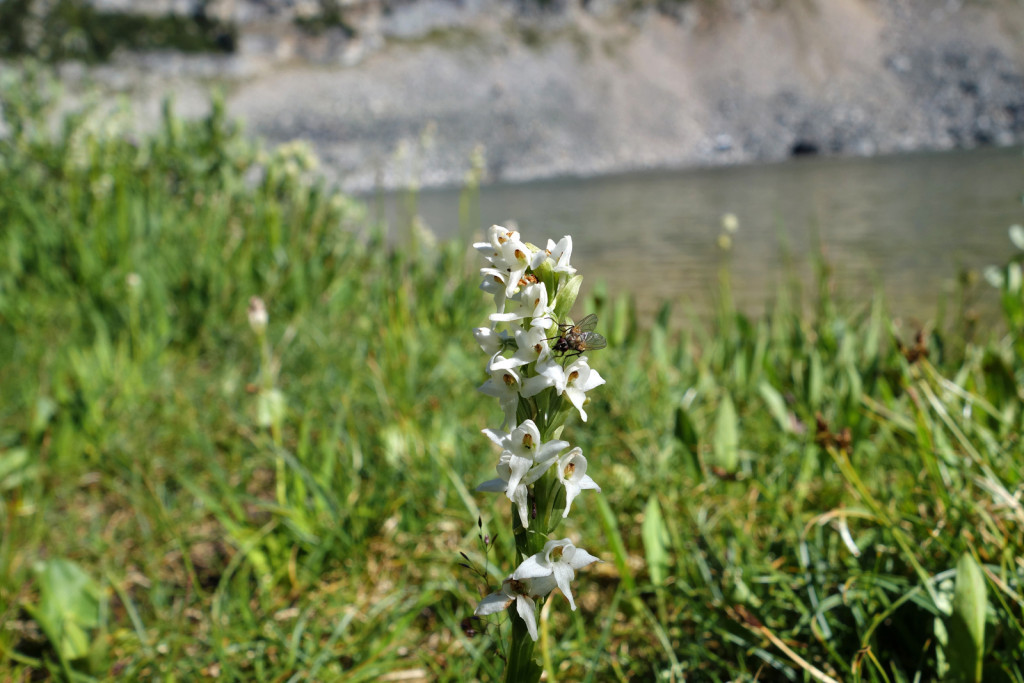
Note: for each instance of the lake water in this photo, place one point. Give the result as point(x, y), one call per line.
point(906, 223)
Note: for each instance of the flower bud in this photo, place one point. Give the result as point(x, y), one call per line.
point(257, 315)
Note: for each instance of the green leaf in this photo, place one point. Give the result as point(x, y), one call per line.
point(815, 381)
point(566, 297)
point(270, 407)
point(967, 622)
point(656, 541)
point(686, 432)
point(726, 440)
point(46, 407)
point(776, 406)
point(615, 542)
point(15, 468)
point(69, 607)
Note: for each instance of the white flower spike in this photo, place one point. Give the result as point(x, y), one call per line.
point(526, 281)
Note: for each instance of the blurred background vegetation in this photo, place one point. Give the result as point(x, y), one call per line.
point(73, 30)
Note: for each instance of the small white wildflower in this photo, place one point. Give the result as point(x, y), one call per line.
point(730, 223)
point(559, 560)
point(496, 237)
point(532, 303)
point(522, 592)
point(572, 472)
point(504, 385)
point(574, 381)
point(508, 254)
point(524, 459)
point(560, 254)
point(495, 283)
point(518, 493)
point(531, 347)
point(258, 318)
point(491, 342)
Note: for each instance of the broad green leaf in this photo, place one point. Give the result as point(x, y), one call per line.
point(69, 607)
point(615, 543)
point(776, 406)
point(15, 468)
point(967, 622)
point(270, 408)
point(815, 381)
point(567, 297)
point(726, 440)
point(687, 434)
point(656, 541)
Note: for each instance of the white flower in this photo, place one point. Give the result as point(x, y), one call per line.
point(572, 472)
point(524, 459)
point(558, 560)
point(526, 451)
point(257, 311)
point(533, 303)
point(496, 237)
point(490, 341)
point(520, 493)
point(508, 254)
point(560, 254)
point(531, 347)
point(495, 282)
point(504, 385)
point(524, 442)
point(522, 593)
point(574, 381)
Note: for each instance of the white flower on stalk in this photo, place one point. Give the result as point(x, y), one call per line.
point(522, 592)
point(257, 312)
point(560, 254)
point(524, 459)
point(508, 254)
point(526, 450)
point(520, 493)
point(572, 472)
point(497, 236)
point(574, 381)
point(531, 347)
point(505, 385)
point(559, 560)
point(533, 303)
point(490, 340)
point(495, 282)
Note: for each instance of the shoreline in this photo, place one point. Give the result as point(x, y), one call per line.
point(412, 96)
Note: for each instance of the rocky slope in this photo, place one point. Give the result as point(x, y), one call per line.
point(406, 92)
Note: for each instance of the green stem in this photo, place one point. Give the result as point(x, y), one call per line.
point(521, 667)
point(267, 378)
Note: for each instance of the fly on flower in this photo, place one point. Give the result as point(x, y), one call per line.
point(579, 338)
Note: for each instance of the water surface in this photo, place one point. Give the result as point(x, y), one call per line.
point(906, 223)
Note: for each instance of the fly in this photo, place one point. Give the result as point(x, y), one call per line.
point(579, 338)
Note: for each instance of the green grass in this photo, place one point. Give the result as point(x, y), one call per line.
point(155, 525)
point(64, 30)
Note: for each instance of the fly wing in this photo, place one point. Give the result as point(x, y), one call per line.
point(594, 341)
point(587, 324)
